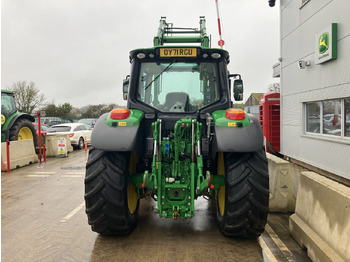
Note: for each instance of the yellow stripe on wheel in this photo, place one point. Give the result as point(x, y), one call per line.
point(221, 193)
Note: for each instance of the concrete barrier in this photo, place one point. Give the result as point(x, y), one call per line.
point(22, 153)
point(284, 177)
point(321, 221)
point(51, 141)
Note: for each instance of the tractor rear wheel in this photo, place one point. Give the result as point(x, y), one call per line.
point(243, 202)
point(111, 203)
point(23, 129)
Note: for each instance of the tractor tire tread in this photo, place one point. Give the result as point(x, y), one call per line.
point(247, 195)
point(16, 127)
point(106, 193)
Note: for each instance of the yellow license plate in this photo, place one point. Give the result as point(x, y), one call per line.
point(178, 52)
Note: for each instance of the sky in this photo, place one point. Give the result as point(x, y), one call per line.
point(77, 51)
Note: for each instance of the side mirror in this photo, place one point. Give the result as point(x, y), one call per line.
point(238, 89)
point(126, 87)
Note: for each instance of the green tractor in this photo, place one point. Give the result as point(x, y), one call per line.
point(15, 125)
point(178, 139)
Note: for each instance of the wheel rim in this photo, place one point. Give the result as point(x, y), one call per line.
point(25, 133)
point(221, 193)
point(132, 194)
point(81, 144)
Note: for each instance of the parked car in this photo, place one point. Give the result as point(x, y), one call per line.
point(88, 121)
point(77, 133)
point(43, 128)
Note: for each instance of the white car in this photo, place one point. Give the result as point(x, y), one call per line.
point(78, 132)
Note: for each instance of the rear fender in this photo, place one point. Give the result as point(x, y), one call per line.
point(118, 135)
point(5, 129)
point(237, 136)
point(15, 117)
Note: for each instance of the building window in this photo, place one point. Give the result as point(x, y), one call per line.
point(347, 117)
point(328, 118)
point(313, 112)
point(332, 117)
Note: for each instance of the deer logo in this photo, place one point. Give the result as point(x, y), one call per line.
point(323, 43)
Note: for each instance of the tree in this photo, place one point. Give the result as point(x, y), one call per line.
point(275, 87)
point(28, 97)
point(50, 110)
point(65, 109)
point(95, 111)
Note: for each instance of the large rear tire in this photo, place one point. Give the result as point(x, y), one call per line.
point(243, 202)
point(23, 129)
point(111, 203)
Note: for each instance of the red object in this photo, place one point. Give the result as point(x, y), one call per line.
point(221, 43)
point(211, 186)
point(335, 120)
point(85, 144)
point(43, 132)
point(8, 156)
point(269, 117)
point(235, 114)
point(119, 113)
point(219, 26)
point(71, 134)
point(39, 129)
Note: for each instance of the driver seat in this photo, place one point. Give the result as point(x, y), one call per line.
point(176, 102)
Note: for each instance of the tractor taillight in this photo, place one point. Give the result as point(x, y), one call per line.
point(235, 114)
point(119, 113)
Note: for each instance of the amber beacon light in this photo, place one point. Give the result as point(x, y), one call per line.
point(235, 114)
point(120, 113)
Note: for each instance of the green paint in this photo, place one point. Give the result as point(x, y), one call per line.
point(334, 40)
point(167, 34)
point(175, 179)
point(8, 112)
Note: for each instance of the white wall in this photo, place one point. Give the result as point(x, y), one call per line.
point(252, 109)
point(329, 80)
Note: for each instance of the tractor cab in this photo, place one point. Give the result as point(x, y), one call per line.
point(175, 77)
point(8, 105)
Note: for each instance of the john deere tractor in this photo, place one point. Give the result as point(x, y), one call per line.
point(178, 139)
point(15, 125)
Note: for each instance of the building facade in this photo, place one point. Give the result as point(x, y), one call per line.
point(315, 83)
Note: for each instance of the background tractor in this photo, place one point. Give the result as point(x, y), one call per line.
point(178, 139)
point(15, 125)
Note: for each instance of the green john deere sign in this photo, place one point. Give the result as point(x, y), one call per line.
point(326, 44)
point(323, 43)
